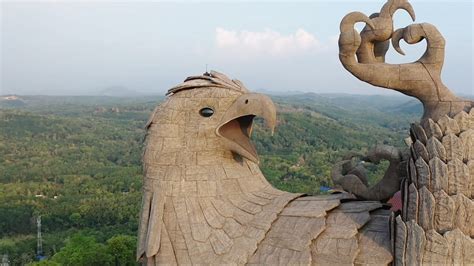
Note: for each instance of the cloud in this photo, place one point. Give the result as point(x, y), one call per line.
point(267, 42)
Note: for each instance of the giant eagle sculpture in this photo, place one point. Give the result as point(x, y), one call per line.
point(205, 200)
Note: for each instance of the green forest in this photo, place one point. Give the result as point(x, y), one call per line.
point(76, 162)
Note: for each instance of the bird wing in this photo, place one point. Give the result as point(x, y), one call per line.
point(322, 230)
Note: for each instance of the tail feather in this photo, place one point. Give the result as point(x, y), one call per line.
point(374, 240)
point(143, 223)
point(151, 223)
point(155, 224)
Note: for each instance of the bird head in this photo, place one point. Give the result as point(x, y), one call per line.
point(208, 116)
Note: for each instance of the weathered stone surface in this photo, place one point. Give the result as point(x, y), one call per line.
point(400, 242)
point(453, 146)
point(339, 242)
point(145, 213)
point(413, 203)
point(335, 246)
point(464, 121)
point(359, 206)
point(233, 228)
point(436, 249)
point(220, 241)
point(393, 233)
point(348, 219)
point(418, 133)
point(470, 167)
point(426, 209)
point(460, 246)
point(444, 212)
point(374, 241)
point(420, 150)
point(436, 149)
point(464, 211)
point(155, 223)
point(458, 178)
point(468, 251)
point(467, 140)
point(412, 171)
point(405, 192)
point(415, 244)
point(336, 196)
point(309, 208)
point(200, 229)
point(439, 174)
point(240, 202)
point(329, 250)
point(448, 125)
point(423, 173)
point(213, 218)
point(432, 129)
point(285, 237)
point(279, 256)
point(414, 155)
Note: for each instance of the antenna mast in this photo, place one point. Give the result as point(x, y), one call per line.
point(39, 244)
point(5, 261)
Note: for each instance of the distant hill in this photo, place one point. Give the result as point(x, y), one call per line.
point(119, 91)
point(355, 101)
point(47, 104)
point(341, 107)
point(411, 107)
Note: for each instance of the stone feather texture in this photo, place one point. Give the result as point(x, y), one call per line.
point(206, 201)
point(443, 231)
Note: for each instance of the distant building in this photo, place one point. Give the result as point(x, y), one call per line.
point(10, 98)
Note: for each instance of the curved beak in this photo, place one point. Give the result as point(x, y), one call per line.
point(235, 126)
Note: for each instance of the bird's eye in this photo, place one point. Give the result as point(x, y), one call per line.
point(206, 112)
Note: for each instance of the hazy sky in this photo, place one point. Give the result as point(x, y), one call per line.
point(84, 47)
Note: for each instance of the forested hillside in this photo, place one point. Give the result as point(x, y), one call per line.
point(75, 161)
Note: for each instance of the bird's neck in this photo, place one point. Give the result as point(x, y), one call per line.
point(207, 175)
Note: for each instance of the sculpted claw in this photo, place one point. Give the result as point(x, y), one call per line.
point(396, 36)
point(352, 18)
point(364, 56)
point(393, 5)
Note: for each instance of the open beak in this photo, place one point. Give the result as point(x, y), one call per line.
point(236, 124)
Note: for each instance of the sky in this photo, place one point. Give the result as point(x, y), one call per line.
point(86, 47)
